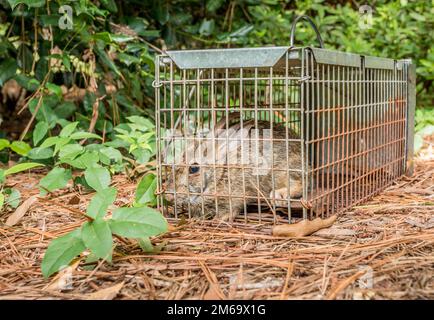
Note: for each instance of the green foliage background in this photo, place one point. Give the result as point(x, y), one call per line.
point(123, 37)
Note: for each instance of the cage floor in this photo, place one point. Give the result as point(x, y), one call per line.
point(330, 199)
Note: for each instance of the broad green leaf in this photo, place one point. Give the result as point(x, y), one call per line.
point(138, 222)
point(2, 176)
point(4, 144)
point(108, 155)
point(61, 142)
point(14, 198)
point(100, 202)
point(22, 167)
point(97, 236)
point(51, 141)
point(55, 179)
point(40, 153)
point(84, 135)
point(70, 151)
point(143, 123)
point(53, 88)
point(39, 132)
point(29, 3)
point(86, 160)
point(61, 252)
point(110, 5)
point(97, 177)
point(20, 147)
point(145, 192)
point(2, 200)
point(68, 130)
point(8, 68)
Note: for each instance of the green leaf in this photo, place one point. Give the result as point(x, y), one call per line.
point(70, 151)
point(4, 144)
point(110, 5)
point(108, 155)
point(40, 153)
point(53, 88)
point(84, 135)
point(55, 179)
point(39, 132)
point(29, 3)
point(138, 222)
point(2, 200)
point(61, 252)
point(68, 130)
point(97, 236)
point(86, 160)
point(97, 177)
point(14, 198)
point(22, 167)
point(8, 68)
point(51, 141)
point(61, 142)
point(145, 192)
point(20, 147)
point(100, 202)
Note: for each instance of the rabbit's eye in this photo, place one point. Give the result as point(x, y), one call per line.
point(193, 169)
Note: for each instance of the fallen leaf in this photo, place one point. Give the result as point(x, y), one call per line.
point(106, 294)
point(302, 228)
point(21, 211)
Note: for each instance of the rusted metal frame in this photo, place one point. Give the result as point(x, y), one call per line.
point(329, 143)
point(410, 92)
point(360, 177)
point(287, 120)
point(273, 182)
point(213, 137)
point(224, 80)
point(320, 152)
point(367, 152)
point(198, 120)
point(244, 108)
point(359, 130)
point(241, 99)
point(227, 105)
point(184, 116)
point(172, 118)
point(304, 134)
point(256, 140)
point(160, 200)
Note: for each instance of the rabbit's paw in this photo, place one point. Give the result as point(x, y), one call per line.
point(227, 215)
point(280, 197)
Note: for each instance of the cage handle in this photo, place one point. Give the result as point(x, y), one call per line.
point(308, 19)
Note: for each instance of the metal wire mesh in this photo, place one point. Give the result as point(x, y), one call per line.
point(301, 135)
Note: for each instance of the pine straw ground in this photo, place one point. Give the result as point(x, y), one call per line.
point(381, 250)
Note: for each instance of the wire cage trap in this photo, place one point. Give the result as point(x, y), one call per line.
point(274, 133)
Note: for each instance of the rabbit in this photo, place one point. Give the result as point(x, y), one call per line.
point(202, 186)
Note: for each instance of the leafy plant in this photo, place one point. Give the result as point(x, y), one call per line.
point(68, 153)
point(11, 196)
point(96, 234)
point(137, 137)
point(19, 147)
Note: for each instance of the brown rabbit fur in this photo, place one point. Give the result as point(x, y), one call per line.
point(212, 191)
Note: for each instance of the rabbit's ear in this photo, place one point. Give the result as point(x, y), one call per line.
point(222, 122)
